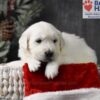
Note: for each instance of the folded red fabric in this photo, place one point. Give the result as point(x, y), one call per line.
point(71, 76)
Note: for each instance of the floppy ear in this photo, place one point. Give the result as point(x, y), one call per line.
point(24, 41)
point(61, 41)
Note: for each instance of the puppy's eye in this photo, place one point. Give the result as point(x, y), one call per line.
point(38, 40)
point(55, 40)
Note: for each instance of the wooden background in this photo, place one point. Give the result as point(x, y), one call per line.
point(66, 15)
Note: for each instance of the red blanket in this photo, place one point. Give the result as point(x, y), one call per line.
point(72, 76)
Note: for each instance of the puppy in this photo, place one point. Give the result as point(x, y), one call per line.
point(42, 42)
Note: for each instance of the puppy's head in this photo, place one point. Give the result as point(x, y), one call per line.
point(41, 41)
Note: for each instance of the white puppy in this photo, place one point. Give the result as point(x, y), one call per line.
point(42, 42)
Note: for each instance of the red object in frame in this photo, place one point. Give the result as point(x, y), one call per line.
point(71, 76)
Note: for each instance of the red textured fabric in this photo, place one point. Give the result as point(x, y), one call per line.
point(72, 76)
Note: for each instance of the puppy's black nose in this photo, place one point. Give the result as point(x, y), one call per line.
point(49, 54)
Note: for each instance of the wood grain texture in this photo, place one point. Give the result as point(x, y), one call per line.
point(66, 15)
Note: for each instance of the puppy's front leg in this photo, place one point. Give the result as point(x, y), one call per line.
point(33, 64)
point(51, 70)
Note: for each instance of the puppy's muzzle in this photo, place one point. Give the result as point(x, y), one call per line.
point(49, 55)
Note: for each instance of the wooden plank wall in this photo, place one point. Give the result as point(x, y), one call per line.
point(66, 15)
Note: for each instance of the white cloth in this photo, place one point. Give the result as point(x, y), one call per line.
point(79, 94)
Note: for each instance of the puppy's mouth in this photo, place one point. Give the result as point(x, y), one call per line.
point(44, 63)
point(47, 60)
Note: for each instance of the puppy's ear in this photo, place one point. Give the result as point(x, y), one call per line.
point(61, 42)
point(24, 41)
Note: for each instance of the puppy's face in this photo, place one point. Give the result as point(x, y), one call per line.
point(44, 42)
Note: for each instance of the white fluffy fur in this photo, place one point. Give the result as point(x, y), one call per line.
point(79, 94)
point(68, 49)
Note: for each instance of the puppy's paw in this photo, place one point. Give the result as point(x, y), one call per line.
point(34, 65)
point(51, 70)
